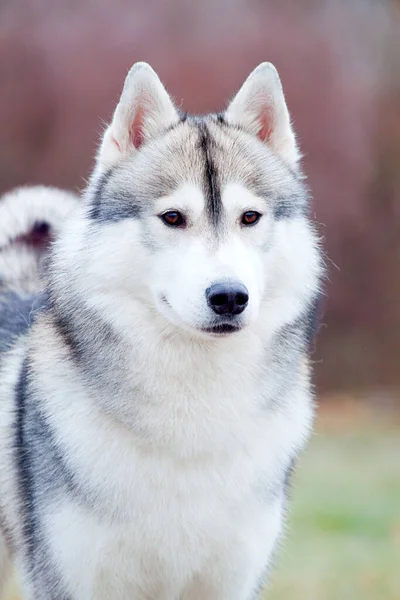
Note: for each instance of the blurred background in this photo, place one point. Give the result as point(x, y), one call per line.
point(62, 68)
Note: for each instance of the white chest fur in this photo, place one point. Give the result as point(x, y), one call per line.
point(186, 498)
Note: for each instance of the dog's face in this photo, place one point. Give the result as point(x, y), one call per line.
point(205, 216)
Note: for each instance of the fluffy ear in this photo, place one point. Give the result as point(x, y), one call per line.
point(143, 112)
point(260, 108)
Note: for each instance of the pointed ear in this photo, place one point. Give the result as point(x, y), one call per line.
point(260, 108)
point(143, 112)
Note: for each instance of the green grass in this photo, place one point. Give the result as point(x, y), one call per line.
point(343, 535)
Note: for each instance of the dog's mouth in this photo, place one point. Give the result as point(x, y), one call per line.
point(215, 329)
point(222, 329)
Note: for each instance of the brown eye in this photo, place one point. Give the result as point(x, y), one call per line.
point(251, 217)
point(173, 218)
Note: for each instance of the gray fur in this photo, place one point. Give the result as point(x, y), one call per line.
point(211, 152)
point(42, 476)
point(17, 313)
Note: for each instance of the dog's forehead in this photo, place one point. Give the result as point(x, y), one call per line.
point(204, 146)
point(208, 155)
point(230, 155)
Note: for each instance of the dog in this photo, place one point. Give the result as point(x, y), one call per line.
point(151, 414)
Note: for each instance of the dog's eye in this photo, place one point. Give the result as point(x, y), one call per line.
point(251, 217)
point(173, 218)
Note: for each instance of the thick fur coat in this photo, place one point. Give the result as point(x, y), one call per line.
point(151, 415)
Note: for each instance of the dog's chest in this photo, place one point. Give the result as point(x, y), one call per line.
point(178, 517)
point(196, 476)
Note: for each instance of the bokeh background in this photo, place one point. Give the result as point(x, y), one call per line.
point(61, 71)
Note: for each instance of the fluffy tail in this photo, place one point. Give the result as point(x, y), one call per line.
point(30, 217)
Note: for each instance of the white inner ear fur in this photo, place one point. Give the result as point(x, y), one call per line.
point(145, 109)
point(260, 108)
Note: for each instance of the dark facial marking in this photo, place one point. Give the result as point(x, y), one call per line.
point(95, 210)
point(287, 207)
point(284, 208)
point(213, 195)
point(108, 207)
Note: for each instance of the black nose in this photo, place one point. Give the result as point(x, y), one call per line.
point(227, 298)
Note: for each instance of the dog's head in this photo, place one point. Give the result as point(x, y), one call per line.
point(202, 218)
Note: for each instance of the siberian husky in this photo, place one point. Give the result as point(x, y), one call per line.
point(151, 415)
